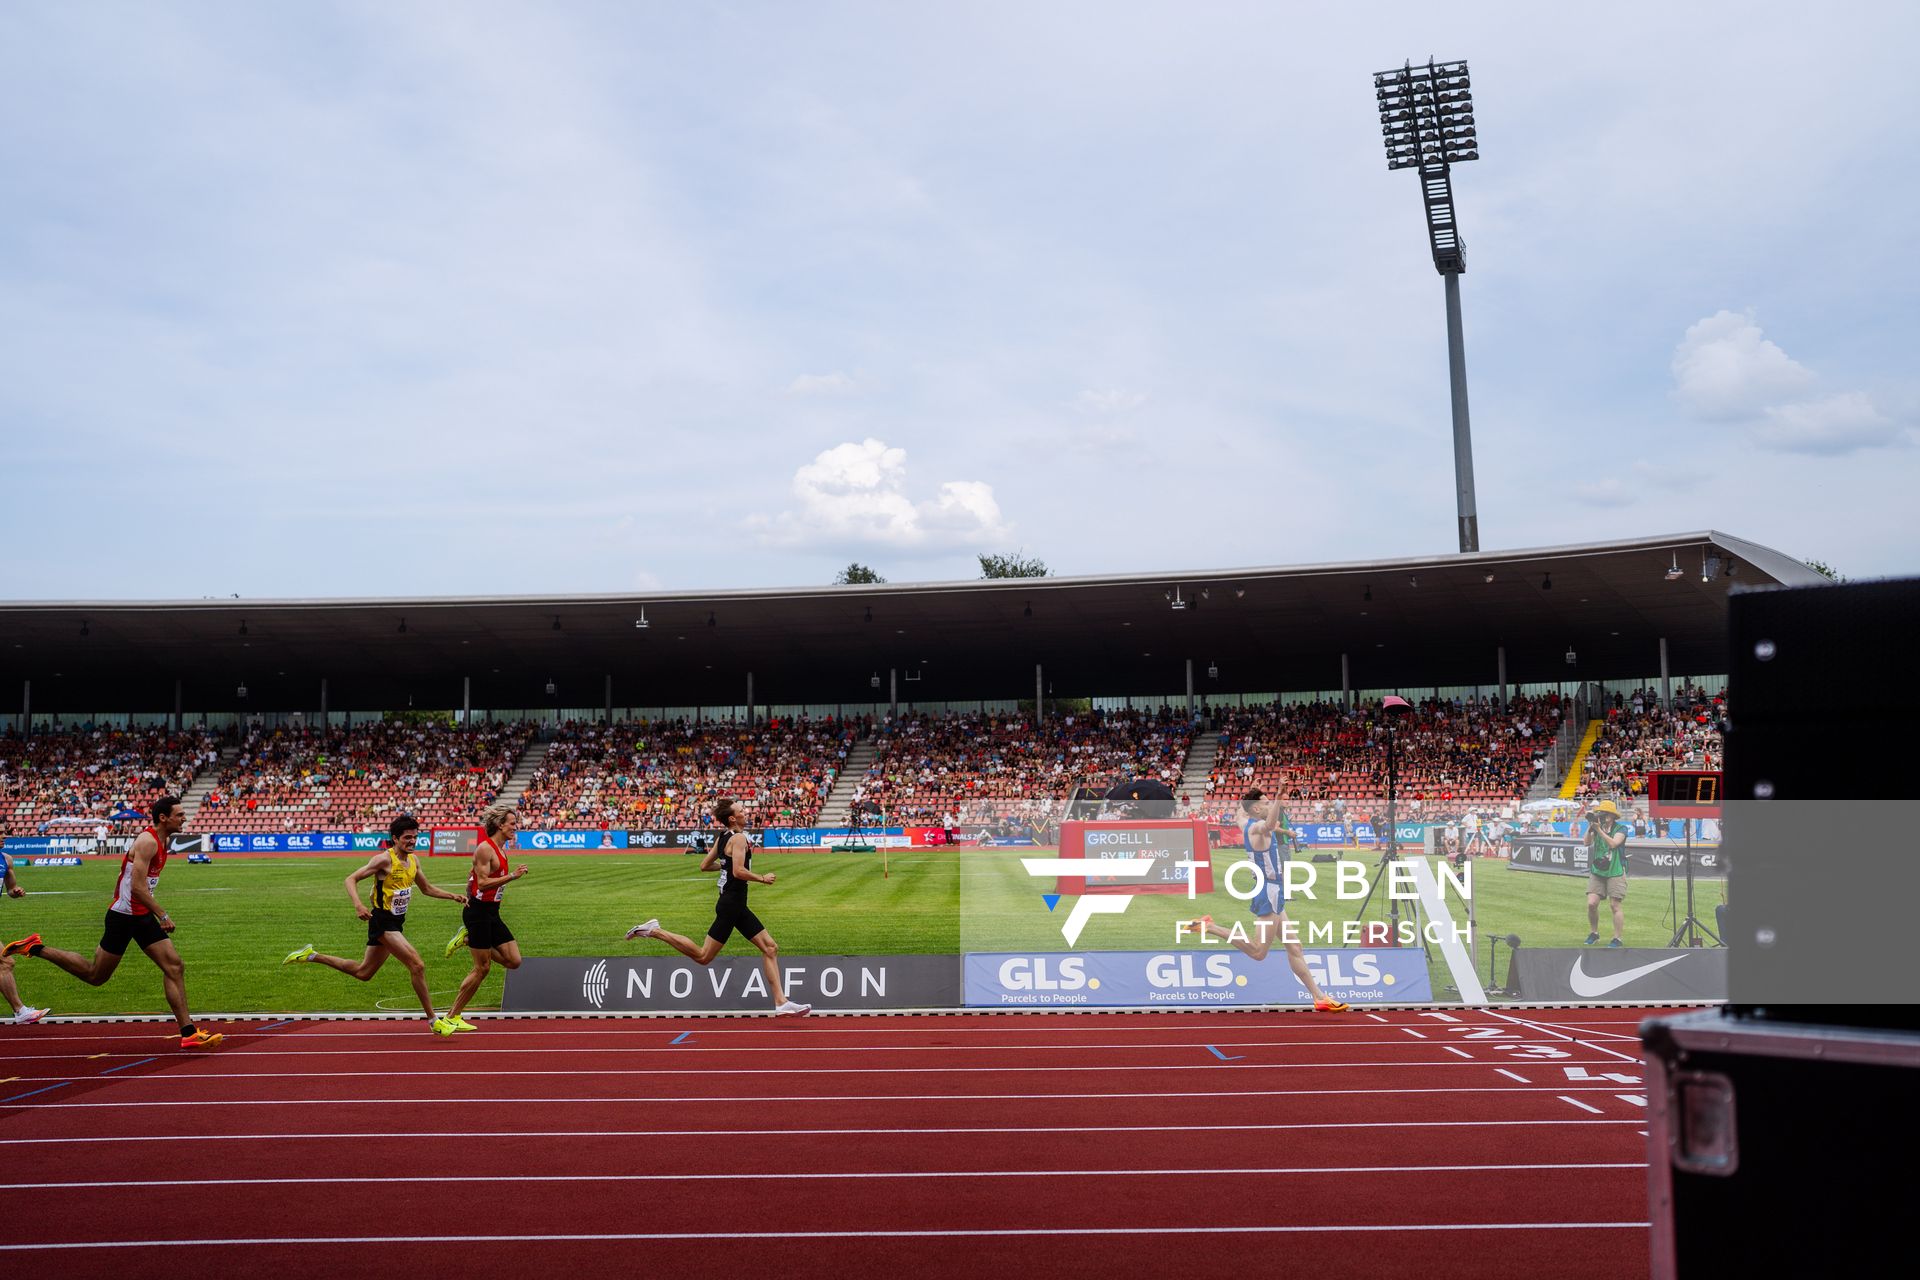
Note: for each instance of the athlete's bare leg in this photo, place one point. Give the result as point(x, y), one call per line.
point(1267, 931)
point(7, 986)
point(173, 978)
point(93, 972)
point(482, 961)
point(770, 961)
point(362, 969)
point(703, 954)
point(508, 954)
point(403, 951)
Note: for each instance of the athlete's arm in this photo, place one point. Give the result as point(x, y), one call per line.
point(740, 861)
point(139, 867)
point(377, 865)
point(13, 887)
point(484, 878)
point(712, 859)
point(420, 878)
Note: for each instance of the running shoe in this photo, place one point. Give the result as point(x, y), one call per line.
point(201, 1040)
point(1331, 1006)
point(792, 1010)
point(442, 1027)
point(461, 1024)
point(29, 1014)
point(22, 946)
point(458, 940)
point(643, 930)
point(1592, 938)
point(1615, 945)
point(295, 957)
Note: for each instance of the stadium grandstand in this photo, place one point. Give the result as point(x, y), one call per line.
point(943, 702)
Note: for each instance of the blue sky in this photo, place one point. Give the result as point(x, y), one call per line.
point(410, 299)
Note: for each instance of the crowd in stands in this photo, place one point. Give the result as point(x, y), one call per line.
point(1451, 756)
point(359, 778)
point(1638, 736)
point(670, 773)
point(94, 782)
point(981, 767)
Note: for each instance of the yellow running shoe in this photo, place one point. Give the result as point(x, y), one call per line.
point(1331, 1006)
point(442, 1027)
point(295, 957)
point(461, 1024)
point(459, 940)
point(201, 1040)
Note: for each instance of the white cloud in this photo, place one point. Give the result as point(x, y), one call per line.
point(1833, 424)
point(820, 384)
point(1109, 400)
point(1726, 368)
point(855, 495)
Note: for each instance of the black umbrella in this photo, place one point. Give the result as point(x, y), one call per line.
point(1146, 797)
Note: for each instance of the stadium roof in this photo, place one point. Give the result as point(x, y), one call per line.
point(1407, 623)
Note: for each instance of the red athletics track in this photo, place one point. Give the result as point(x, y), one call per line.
point(1382, 1144)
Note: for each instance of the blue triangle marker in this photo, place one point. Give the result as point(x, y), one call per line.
point(1051, 899)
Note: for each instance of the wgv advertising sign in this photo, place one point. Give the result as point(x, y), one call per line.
point(1096, 979)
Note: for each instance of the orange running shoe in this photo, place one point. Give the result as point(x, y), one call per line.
point(1331, 1006)
point(201, 1040)
point(22, 946)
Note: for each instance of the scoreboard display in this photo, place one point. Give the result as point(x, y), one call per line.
point(1162, 844)
point(1684, 793)
point(453, 841)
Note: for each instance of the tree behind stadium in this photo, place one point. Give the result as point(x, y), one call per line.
point(1012, 566)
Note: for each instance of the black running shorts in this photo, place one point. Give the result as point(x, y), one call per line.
point(123, 928)
point(382, 922)
point(730, 914)
point(485, 929)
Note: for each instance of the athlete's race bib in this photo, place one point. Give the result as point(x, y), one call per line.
point(401, 897)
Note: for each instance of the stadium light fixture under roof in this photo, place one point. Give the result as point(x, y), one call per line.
point(1426, 123)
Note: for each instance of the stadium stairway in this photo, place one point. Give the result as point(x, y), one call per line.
point(523, 771)
point(839, 801)
point(1571, 787)
point(204, 781)
point(1199, 768)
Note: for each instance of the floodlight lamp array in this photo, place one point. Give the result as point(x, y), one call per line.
point(1426, 115)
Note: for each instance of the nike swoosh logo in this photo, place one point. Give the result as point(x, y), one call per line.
point(1588, 987)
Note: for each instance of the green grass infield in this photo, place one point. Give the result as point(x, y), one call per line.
point(238, 917)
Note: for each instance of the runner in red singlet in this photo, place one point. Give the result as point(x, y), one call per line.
point(485, 933)
point(134, 916)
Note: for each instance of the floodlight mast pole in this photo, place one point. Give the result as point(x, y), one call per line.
point(1426, 121)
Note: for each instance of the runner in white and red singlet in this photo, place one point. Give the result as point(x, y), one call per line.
point(486, 935)
point(134, 916)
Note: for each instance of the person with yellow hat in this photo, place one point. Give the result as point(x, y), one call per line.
point(1606, 869)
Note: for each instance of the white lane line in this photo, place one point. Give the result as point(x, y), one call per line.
point(1022, 1129)
point(827, 1176)
point(1513, 1075)
point(1462, 1052)
point(435, 1046)
point(730, 1236)
point(1561, 1035)
point(1060, 1023)
point(1418, 1035)
point(733, 1100)
point(1638, 1100)
point(1576, 1102)
point(189, 1077)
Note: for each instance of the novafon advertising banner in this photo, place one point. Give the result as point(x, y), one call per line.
point(1190, 978)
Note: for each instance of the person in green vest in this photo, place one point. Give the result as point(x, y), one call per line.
point(1606, 870)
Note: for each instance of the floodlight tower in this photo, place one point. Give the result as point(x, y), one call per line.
point(1426, 118)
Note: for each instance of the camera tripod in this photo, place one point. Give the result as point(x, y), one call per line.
point(1688, 926)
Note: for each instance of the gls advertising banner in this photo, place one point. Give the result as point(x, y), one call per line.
point(999, 980)
point(661, 984)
